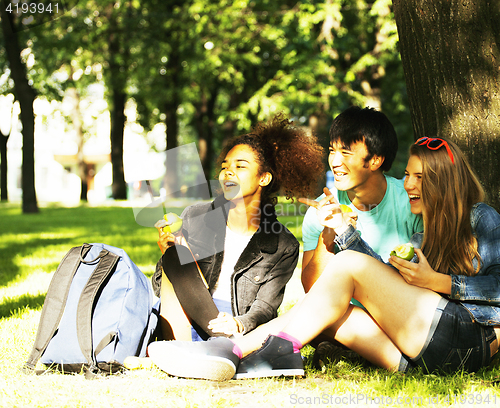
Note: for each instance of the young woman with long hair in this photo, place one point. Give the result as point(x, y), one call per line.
point(225, 274)
point(441, 313)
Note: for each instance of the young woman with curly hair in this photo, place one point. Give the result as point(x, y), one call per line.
point(438, 312)
point(244, 255)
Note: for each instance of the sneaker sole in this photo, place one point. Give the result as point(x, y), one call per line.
point(202, 367)
point(270, 373)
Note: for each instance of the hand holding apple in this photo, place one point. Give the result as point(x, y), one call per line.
point(404, 251)
point(174, 223)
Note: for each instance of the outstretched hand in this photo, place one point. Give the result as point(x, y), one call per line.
point(330, 214)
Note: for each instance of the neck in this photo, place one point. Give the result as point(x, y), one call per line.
point(370, 193)
point(244, 216)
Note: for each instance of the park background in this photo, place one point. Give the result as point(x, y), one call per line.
point(93, 94)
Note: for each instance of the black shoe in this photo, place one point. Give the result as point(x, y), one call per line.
point(274, 358)
point(210, 360)
point(329, 353)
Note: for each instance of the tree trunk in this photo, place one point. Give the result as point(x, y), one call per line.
point(171, 179)
point(119, 187)
point(205, 124)
point(26, 96)
point(450, 55)
point(4, 195)
point(118, 57)
point(76, 117)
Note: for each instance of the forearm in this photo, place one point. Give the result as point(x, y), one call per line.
point(259, 313)
point(441, 283)
point(312, 270)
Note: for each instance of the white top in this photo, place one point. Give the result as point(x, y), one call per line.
point(234, 245)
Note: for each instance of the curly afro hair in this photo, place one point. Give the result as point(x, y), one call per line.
point(289, 153)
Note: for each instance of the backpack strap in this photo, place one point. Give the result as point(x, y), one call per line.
point(55, 301)
point(105, 267)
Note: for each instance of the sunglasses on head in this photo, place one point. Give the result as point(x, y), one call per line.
point(434, 143)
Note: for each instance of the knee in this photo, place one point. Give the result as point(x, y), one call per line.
point(350, 261)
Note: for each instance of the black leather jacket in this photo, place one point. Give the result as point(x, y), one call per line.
point(262, 271)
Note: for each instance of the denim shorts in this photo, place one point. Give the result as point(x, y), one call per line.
point(455, 342)
point(223, 306)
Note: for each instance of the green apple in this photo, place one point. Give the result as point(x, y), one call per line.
point(404, 251)
point(174, 223)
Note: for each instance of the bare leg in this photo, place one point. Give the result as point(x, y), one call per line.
point(186, 289)
point(358, 331)
point(400, 320)
point(253, 340)
point(174, 323)
point(404, 312)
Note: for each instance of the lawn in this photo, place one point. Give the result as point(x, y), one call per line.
point(31, 247)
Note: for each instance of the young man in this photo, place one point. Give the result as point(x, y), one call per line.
point(363, 145)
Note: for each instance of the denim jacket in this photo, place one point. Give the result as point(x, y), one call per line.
point(260, 274)
point(479, 294)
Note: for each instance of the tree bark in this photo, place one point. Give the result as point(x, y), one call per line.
point(118, 58)
point(171, 179)
point(4, 195)
point(76, 117)
point(26, 96)
point(451, 60)
point(119, 187)
point(205, 123)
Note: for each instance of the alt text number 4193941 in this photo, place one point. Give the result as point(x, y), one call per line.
point(32, 8)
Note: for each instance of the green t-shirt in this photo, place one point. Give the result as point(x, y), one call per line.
point(383, 227)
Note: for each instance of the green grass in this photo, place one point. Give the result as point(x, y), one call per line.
point(31, 247)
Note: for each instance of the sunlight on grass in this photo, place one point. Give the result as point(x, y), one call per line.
point(31, 247)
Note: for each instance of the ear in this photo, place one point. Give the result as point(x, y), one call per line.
point(376, 162)
point(265, 179)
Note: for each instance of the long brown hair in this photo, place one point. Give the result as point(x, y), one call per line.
point(448, 193)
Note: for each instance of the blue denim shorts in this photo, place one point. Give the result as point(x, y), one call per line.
point(223, 306)
point(455, 342)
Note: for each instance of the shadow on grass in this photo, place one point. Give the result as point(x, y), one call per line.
point(11, 305)
point(9, 270)
point(63, 228)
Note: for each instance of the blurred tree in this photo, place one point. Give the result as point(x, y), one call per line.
point(93, 42)
point(4, 138)
point(25, 94)
point(338, 53)
point(209, 69)
point(239, 49)
point(166, 47)
point(110, 36)
point(450, 53)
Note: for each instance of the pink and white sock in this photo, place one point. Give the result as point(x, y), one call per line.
point(297, 345)
point(237, 350)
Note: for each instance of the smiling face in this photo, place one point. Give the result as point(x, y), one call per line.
point(240, 176)
point(349, 165)
point(413, 183)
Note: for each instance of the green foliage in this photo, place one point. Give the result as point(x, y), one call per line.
point(220, 66)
